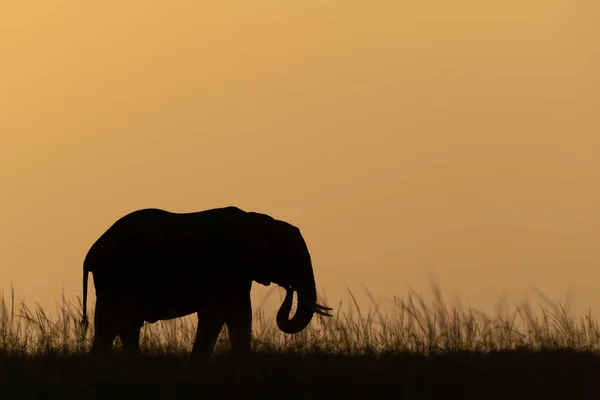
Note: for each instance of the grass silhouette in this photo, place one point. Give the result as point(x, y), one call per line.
point(415, 351)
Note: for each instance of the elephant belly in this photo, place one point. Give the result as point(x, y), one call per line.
point(163, 313)
point(169, 305)
point(161, 309)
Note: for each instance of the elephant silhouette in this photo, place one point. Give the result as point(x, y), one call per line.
point(155, 265)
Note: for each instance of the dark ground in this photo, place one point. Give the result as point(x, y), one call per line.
point(502, 375)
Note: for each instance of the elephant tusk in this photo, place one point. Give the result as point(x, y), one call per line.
point(317, 308)
point(323, 313)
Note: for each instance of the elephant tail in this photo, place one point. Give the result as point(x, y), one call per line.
point(84, 320)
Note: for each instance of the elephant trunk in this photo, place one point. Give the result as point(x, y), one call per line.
point(307, 300)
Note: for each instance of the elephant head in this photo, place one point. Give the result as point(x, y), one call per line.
point(285, 260)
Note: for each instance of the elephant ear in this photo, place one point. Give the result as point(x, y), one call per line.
point(255, 256)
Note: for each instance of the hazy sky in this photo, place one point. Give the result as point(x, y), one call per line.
point(457, 139)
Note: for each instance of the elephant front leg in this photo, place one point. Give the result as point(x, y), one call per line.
point(239, 324)
point(210, 323)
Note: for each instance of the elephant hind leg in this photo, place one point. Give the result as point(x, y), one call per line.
point(105, 327)
point(115, 316)
point(210, 323)
point(130, 338)
point(130, 324)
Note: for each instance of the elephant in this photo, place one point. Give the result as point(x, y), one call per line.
point(153, 264)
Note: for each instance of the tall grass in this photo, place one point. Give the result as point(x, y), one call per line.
point(412, 326)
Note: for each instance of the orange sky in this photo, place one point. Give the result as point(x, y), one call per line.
point(405, 138)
